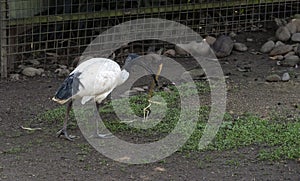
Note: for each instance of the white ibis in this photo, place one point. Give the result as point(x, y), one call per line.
point(94, 79)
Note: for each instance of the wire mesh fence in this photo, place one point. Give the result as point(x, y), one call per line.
point(56, 32)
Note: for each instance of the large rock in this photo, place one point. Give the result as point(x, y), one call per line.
point(267, 47)
point(277, 57)
point(62, 72)
point(180, 51)
point(283, 33)
point(279, 43)
point(286, 77)
point(281, 49)
point(273, 78)
point(31, 72)
point(170, 53)
point(289, 54)
point(291, 27)
point(195, 74)
point(297, 16)
point(223, 46)
point(210, 40)
point(196, 48)
point(14, 77)
point(296, 37)
point(296, 22)
point(291, 61)
point(240, 47)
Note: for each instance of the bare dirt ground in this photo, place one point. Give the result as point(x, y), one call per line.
point(40, 155)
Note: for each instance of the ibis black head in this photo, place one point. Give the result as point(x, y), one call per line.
point(132, 59)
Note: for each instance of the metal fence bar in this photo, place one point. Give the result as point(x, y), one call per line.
point(145, 10)
point(3, 38)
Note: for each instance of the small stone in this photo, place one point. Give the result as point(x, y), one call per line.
point(145, 87)
point(280, 22)
point(34, 62)
point(286, 77)
point(200, 48)
point(71, 68)
point(40, 71)
point(296, 22)
point(240, 47)
point(195, 74)
point(277, 57)
point(180, 51)
point(62, 72)
point(279, 43)
point(295, 48)
point(139, 89)
point(14, 77)
point(159, 52)
point(278, 63)
point(249, 40)
point(289, 54)
point(297, 51)
point(280, 50)
point(22, 67)
point(159, 169)
point(170, 52)
point(166, 89)
point(283, 34)
point(291, 57)
point(210, 40)
point(232, 34)
point(242, 69)
point(267, 47)
point(31, 72)
point(296, 16)
point(273, 78)
point(291, 61)
point(296, 37)
point(291, 27)
point(223, 46)
point(62, 66)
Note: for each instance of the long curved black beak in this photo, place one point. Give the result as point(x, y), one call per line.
point(153, 75)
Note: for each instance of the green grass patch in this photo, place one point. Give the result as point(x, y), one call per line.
point(282, 140)
point(275, 139)
point(13, 150)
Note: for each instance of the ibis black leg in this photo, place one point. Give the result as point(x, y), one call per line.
point(97, 126)
point(63, 131)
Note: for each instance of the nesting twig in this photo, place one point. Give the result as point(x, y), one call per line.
point(147, 108)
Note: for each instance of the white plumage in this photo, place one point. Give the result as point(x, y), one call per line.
point(94, 79)
point(99, 76)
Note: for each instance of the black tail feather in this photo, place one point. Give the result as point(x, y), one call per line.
point(69, 87)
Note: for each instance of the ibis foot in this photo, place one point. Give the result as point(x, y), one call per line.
point(105, 135)
point(98, 135)
point(63, 131)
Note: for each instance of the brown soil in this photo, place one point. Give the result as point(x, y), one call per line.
point(40, 155)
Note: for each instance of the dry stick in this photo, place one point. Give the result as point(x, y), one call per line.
point(153, 82)
point(151, 92)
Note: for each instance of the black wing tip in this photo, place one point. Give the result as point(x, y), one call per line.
point(69, 87)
